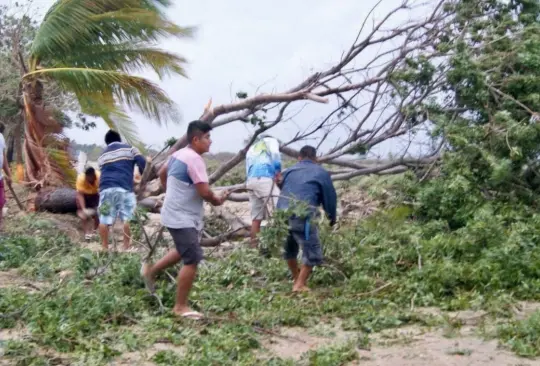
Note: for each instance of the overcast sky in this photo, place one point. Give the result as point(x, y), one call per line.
point(241, 45)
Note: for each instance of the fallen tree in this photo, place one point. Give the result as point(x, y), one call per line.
point(377, 92)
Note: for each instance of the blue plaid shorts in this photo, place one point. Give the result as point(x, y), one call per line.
point(116, 202)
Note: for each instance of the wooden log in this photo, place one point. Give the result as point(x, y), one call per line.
point(60, 200)
point(63, 201)
point(152, 204)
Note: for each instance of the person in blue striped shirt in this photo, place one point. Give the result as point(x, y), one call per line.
point(263, 167)
point(116, 196)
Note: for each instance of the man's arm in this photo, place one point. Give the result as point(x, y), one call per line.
point(163, 175)
point(79, 186)
point(276, 158)
point(329, 197)
point(281, 179)
point(80, 200)
point(199, 177)
point(139, 160)
point(7, 170)
point(204, 190)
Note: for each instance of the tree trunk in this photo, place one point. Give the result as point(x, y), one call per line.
point(152, 204)
point(18, 142)
point(10, 145)
point(46, 156)
point(61, 200)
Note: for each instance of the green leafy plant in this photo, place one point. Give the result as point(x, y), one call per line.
point(522, 336)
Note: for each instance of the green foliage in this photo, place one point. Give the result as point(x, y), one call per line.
point(139, 220)
point(241, 95)
point(522, 336)
point(332, 355)
point(170, 142)
point(275, 233)
point(16, 250)
point(11, 300)
point(24, 354)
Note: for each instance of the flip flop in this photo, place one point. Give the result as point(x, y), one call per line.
point(193, 315)
point(150, 285)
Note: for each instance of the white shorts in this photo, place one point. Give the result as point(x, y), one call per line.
point(263, 196)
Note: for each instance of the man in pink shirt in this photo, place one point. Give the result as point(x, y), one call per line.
point(186, 186)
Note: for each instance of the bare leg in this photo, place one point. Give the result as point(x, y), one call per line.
point(186, 276)
point(127, 236)
point(300, 283)
point(150, 271)
point(104, 234)
point(87, 225)
point(293, 266)
point(255, 229)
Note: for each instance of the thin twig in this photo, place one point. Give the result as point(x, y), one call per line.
point(378, 289)
point(275, 334)
point(21, 207)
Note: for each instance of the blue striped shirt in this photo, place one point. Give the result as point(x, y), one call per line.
point(117, 163)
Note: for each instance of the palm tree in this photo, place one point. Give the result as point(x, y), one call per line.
point(90, 48)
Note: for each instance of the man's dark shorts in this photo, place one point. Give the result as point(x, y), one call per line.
point(2, 194)
point(90, 201)
point(311, 248)
point(188, 244)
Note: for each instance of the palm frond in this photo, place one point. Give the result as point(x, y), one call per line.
point(124, 57)
point(72, 23)
point(113, 115)
point(61, 168)
point(121, 123)
point(134, 91)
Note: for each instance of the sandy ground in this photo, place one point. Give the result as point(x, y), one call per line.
point(408, 346)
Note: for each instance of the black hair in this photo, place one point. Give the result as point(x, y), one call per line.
point(308, 152)
point(90, 171)
point(112, 136)
point(2, 128)
point(197, 129)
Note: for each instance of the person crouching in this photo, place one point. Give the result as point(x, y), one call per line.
point(88, 200)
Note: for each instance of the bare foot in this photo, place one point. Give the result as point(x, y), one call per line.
point(149, 280)
point(301, 289)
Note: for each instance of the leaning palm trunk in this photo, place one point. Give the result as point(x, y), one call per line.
point(45, 149)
